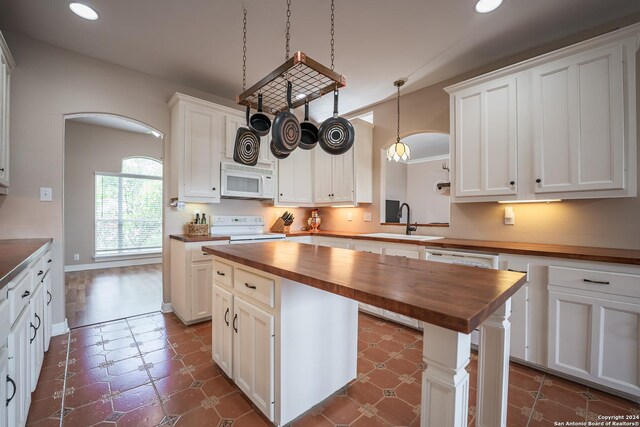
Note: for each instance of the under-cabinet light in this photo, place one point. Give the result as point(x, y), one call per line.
point(485, 6)
point(529, 201)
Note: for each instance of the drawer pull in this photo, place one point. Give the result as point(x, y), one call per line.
point(35, 333)
point(235, 318)
point(48, 261)
point(206, 254)
point(9, 380)
point(517, 271)
point(220, 273)
point(40, 273)
point(26, 294)
point(39, 321)
point(226, 316)
point(249, 286)
point(50, 297)
point(597, 282)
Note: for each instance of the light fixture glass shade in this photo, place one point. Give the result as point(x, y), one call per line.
point(398, 151)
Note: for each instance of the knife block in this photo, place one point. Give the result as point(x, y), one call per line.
point(278, 226)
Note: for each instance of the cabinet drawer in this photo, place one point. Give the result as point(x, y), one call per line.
point(19, 296)
point(223, 273)
point(595, 280)
point(5, 324)
point(199, 255)
point(260, 288)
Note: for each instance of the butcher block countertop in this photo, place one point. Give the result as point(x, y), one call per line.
point(451, 296)
point(16, 255)
point(187, 238)
point(585, 253)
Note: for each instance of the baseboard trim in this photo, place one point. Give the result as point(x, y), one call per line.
point(59, 328)
point(166, 307)
point(111, 264)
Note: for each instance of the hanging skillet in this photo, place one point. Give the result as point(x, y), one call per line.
point(336, 134)
point(286, 131)
point(247, 146)
point(259, 122)
point(277, 153)
point(309, 138)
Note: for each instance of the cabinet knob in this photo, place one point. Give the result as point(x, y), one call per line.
point(214, 188)
point(1, 169)
point(512, 183)
point(280, 194)
point(538, 180)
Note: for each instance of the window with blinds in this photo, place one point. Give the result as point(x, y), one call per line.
point(128, 211)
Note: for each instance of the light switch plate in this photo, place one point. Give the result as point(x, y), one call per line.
point(349, 216)
point(46, 194)
point(509, 216)
point(367, 216)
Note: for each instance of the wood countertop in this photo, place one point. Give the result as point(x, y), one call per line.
point(451, 296)
point(16, 255)
point(585, 253)
point(187, 238)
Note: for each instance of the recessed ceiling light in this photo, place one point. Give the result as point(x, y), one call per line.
point(83, 11)
point(485, 6)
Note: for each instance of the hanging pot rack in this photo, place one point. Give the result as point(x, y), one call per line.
point(310, 80)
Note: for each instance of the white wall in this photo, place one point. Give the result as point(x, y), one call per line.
point(428, 204)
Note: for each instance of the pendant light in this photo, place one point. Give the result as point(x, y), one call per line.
point(398, 150)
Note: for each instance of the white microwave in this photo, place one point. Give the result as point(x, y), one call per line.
point(246, 182)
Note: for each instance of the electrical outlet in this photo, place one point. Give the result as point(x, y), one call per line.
point(76, 257)
point(367, 216)
point(46, 194)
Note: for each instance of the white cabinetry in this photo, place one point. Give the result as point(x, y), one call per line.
point(558, 126)
point(267, 331)
point(191, 278)
point(19, 371)
point(486, 138)
point(578, 122)
point(36, 337)
point(294, 179)
point(6, 64)
point(594, 326)
point(345, 179)
point(197, 135)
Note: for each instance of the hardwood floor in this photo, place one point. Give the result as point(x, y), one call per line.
point(96, 296)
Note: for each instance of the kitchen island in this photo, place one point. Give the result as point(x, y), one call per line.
point(450, 300)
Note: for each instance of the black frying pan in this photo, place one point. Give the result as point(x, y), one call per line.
point(277, 153)
point(336, 134)
point(259, 122)
point(286, 131)
point(309, 138)
point(247, 147)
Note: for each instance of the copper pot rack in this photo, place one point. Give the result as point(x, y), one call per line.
point(310, 80)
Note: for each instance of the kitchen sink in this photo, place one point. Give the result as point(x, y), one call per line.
point(402, 236)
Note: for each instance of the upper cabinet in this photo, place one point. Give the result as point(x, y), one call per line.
point(197, 137)
point(6, 64)
point(294, 179)
point(559, 126)
point(346, 179)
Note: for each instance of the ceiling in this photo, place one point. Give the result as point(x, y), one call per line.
point(199, 43)
point(113, 122)
point(425, 145)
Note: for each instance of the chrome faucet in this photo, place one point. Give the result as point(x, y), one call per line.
point(410, 228)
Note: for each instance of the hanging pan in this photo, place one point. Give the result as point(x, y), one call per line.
point(336, 134)
point(286, 130)
point(309, 138)
point(277, 153)
point(247, 146)
point(259, 122)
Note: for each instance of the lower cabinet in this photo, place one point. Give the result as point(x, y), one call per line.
point(267, 331)
point(5, 387)
point(36, 331)
point(253, 354)
point(19, 371)
point(594, 326)
point(47, 320)
point(191, 278)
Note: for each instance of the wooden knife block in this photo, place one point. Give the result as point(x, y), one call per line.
point(279, 227)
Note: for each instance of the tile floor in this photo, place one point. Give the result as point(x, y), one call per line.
point(152, 370)
point(95, 296)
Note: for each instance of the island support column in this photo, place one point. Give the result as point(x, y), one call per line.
point(493, 368)
point(445, 381)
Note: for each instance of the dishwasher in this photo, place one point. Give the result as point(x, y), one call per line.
point(471, 259)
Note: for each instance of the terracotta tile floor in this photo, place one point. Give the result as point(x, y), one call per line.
point(152, 370)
